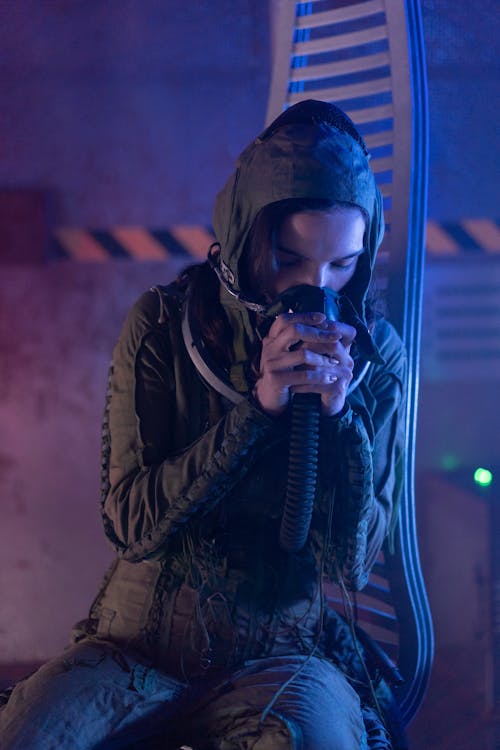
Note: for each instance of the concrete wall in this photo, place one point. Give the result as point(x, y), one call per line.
point(130, 112)
point(58, 326)
point(118, 113)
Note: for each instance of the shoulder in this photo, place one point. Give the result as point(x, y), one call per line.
point(157, 304)
point(155, 308)
point(155, 312)
point(390, 346)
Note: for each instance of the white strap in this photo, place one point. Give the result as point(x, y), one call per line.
point(202, 366)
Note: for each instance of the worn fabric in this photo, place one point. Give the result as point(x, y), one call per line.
point(318, 709)
point(213, 589)
point(108, 700)
point(181, 455)
point(92, 696)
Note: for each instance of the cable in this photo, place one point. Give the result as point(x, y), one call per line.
point(326, 548)
point(349, 610)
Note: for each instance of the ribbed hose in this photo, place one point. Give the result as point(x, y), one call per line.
point(302, 471)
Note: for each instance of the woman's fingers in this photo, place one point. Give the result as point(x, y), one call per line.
point(286, 319)
point(305, 352)
point(290, 328)
point(296, 334)
point(318, 320)
point(333, 392)
point(315, 380)
point(302, 357)
point(346, 333)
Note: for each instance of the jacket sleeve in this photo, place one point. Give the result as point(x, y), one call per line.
point(155, 488)
point(362, 453)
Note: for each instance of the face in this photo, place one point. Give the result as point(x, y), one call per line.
point(320, 248)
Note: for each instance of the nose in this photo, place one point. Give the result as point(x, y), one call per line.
point(318, 274)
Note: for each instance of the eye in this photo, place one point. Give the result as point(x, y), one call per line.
point(343, 265)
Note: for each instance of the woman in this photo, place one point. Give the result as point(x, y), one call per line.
point(211, 625)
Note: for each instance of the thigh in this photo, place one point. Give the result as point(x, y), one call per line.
point(92, 693)
point(318, 709)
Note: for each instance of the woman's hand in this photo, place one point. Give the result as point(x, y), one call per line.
point(305, 353)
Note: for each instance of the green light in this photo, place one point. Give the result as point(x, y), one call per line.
point(483, 477)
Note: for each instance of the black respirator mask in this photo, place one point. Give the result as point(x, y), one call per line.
point(302, 298)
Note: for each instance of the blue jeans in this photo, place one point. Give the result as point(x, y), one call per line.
point(96, 696)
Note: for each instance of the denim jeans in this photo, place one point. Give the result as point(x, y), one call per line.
point(96, 696)
point(89, 695)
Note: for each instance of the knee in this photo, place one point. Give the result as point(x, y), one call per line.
point(84, 697)
point(276, 732)
point(324, 709)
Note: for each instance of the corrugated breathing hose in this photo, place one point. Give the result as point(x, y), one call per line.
point(302, 471)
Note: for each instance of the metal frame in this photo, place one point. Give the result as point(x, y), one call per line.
point(398, 99)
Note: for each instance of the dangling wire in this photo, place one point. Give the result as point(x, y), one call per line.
point(326, 548)
point(351, 621)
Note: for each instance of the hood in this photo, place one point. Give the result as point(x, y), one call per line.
point(312, 150)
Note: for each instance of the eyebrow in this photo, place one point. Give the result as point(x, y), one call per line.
point(289, 251)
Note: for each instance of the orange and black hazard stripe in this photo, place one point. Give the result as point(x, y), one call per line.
point(457, 238)
point(133, 243)
point(467, 236)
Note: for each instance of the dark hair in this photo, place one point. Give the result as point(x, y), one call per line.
point(202, 287)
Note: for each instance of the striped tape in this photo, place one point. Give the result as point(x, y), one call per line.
point(192, 241)
point(133, 243)
point(466, 236)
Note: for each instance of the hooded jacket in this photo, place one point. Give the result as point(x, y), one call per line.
point(311, 151)
point(195, 484)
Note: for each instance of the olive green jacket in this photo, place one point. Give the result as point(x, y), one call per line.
point(196, 489)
